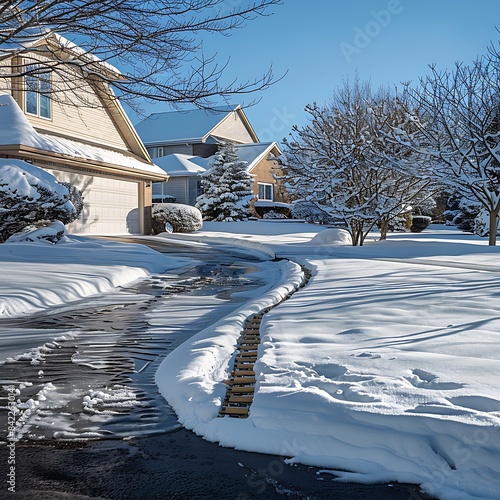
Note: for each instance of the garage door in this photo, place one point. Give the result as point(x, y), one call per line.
point(110, 205)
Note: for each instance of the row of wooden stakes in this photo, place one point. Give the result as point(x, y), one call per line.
point(241, 384)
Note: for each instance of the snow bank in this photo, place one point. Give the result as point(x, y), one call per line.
point(36, 275)
point(191, 377)
point(332, 237)
point(385, 365)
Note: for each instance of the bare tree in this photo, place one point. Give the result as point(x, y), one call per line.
point(156, 44)
point(342, 162)
point(458, 128)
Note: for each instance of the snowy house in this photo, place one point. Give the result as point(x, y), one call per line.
point(180, 141)
point(196, 132)
point(184, 171)
point(67, 121)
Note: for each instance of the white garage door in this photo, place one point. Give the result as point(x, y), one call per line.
point(110, 205)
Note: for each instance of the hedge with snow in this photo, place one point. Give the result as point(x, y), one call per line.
point(31, 198)
point(176, 217)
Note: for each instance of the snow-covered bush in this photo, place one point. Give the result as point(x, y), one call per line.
point(30, 196)
point(419, 223)
point(51, 233)
point(76, 198)
point(481, 225)
point(274, 215)
point(227, 187)
point(262, 208)
point(462, 212)
point(181, 218)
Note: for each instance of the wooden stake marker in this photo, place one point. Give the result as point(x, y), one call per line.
point(241, 385)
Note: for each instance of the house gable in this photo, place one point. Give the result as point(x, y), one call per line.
point(85, 139)
point(82, 104)
point(181, 128)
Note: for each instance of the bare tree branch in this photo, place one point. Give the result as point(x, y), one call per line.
point(156, 44)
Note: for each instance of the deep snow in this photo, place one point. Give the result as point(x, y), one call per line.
point(385, 365)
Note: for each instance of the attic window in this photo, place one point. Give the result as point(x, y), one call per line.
point(38, 89)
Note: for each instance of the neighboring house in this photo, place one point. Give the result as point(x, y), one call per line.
point(70, 124)
point(181, 141)
point(184, 171)
point(196, 132)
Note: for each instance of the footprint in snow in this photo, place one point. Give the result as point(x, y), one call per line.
point(426, 380)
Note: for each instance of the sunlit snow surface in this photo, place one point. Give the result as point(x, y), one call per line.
point(385, 365)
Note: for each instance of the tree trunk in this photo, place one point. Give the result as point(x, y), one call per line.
point(357, 232)
point(383, 228)
point(493, 228)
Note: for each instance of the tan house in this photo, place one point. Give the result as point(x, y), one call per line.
point(180, 142)
point(62, 116)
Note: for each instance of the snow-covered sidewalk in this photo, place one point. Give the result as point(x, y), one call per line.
point(385, 365)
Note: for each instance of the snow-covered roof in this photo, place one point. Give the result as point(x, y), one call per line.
point(20, 132)
point(179, 165)
point(173, 127)
point(254, 153)
point(30, 38)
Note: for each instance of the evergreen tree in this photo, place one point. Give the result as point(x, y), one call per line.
point(227, 187)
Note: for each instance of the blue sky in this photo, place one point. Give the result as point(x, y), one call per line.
point(322, 42)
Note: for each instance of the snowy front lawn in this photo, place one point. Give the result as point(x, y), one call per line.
point(35, 276)
point(386, 365)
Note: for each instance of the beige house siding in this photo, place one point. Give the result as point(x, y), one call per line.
point(263, 172)
point(110, 205)
point(76, 112)
point(233, 128)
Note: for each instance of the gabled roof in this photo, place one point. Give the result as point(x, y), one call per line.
point(191, 126)
point(36, 38)
point(21, 138)
point(180, 165)
point(254, 153)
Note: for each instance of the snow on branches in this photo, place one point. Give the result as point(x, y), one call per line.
point(227, 187)
point(459, 131)
point(31, 197)
point(343, 163)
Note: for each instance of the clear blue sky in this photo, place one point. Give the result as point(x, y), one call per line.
point(322, 42)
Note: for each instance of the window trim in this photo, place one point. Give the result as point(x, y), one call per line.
point(38, 78)
point(265, 185)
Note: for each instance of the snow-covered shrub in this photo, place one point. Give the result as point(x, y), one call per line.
point(30, 196)
point(227, 187)
point(182, 218)
point(419, 223)
point(310, 212)
point(265, 207)
point(481, 225)
point(51, 233)
point(274, 215)
point(462, 213)
point(76, 198)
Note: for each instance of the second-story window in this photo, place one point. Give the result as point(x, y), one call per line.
point(160, 152)
point(38, 90)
